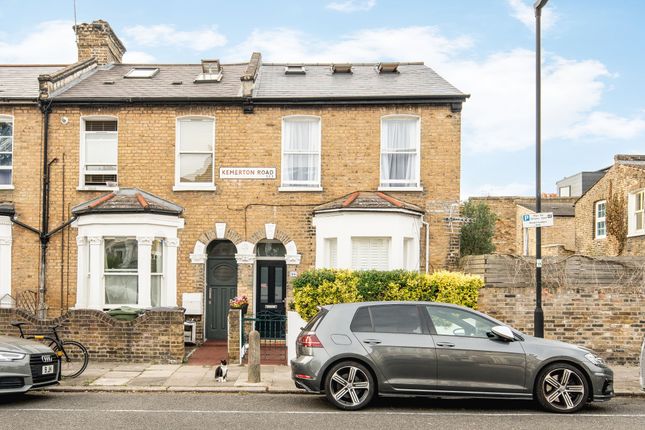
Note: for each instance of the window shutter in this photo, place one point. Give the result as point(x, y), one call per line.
point(370, 253)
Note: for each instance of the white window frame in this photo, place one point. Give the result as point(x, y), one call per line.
point(388, 248)
point(385, 185)
point(567, 188)
point(331, 252)
point(193, 186)
point(82, 154)
point(122, 272)
point(11, 119)
point(633, 213)
point(598, 219)
point(300, 185)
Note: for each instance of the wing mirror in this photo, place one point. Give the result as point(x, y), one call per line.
point(503, 332)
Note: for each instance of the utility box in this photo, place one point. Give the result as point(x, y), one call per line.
point(190, 331)
point(192, 302)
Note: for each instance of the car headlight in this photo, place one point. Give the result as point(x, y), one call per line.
point(595, 359)
point(11, 356)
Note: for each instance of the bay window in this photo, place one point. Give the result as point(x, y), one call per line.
point(121, 271)
point(370, 253)
point(400, 146)
point(300, 153)
point(156, 272)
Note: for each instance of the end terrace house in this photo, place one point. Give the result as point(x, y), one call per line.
point(188, 184)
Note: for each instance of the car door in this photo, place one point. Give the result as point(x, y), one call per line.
point(470, 358)
point(398, 342)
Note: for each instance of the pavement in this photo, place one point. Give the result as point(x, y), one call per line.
point(127, 377)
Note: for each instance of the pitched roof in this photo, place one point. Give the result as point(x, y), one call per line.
point(128, 200)
point(558, 208)
point(21, 82)
point(366, 201)
point(108, 83)
point(413, 80)
point(7, 209)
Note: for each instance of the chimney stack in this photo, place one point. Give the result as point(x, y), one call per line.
point(97, 40)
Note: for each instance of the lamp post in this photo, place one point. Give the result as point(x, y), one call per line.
point(538, 315)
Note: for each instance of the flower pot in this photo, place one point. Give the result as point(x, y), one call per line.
point(244, 307)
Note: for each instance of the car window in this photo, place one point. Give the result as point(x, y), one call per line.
point(362, 320)
point(396, 319)
point(457, 322)
point(313, 323)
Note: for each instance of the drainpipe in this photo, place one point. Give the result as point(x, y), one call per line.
point(427, 228)
point(44, 224)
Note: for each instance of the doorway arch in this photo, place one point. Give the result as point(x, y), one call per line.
point(221, 286)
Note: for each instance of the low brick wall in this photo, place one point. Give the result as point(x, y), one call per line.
point(594, 302)
point(156, 336)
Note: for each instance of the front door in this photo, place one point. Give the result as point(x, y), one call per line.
point(221, 286)
point(271, 287)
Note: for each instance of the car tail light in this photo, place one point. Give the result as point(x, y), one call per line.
point(309, 340)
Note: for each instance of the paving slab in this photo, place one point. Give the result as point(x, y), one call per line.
point(169, 367)
point(111, 381)
point(131, 367)
point(147, 382)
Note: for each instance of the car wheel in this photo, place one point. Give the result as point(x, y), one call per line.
point(562, 388)
point(349, 386)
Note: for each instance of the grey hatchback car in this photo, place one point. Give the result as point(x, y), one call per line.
point(354, 351)
point(26, 364)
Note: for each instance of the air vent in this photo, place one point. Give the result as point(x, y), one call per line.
point(108, 83)
point(177, 82)
point(295, 69)
point(98, 179)
point(142, 72)
point(388, 67)
point(341, 68)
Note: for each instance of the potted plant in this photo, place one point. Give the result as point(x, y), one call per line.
point(239, 302)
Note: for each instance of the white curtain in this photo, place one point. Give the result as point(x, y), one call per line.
point(399, 152)
point(301, 148)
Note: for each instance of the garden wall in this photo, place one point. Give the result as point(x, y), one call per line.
point(156, 336)
point(595, 302)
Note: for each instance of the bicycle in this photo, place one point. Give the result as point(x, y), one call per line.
point(73, 355)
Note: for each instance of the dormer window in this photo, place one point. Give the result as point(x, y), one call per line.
point(341, 68)
point(211, 72)
point(142, 72)
point(295, 69)
point(388, 67)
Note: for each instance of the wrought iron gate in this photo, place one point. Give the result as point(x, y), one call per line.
point(272, 327)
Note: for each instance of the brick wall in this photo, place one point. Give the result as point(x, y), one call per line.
point(147, 161)
point(622, 179)
point(597, 303)
point(157, 336)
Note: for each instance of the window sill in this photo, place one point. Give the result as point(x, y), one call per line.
point(300, 189)
point(408, 189)
point(96, 188)
point(6, 187)
point(600, 237)
point(636, 233)
point(194, 188)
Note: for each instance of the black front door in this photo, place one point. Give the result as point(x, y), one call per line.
point(271, 287)
point(221, 286)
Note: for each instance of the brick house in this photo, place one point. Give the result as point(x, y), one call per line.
point(512, 238)
point(189, 184)
point(627, 178)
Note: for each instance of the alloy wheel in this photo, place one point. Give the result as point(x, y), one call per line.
point(349, 386)
point(563, 389)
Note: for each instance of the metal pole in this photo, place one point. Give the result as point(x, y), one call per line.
point(538, 316)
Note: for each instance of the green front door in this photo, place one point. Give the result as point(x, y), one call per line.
point(221, 286)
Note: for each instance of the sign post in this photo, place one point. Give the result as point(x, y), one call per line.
point(537, 221)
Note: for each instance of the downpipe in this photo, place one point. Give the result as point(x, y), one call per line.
point(426, 225)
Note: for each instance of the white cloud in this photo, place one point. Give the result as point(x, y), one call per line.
point(525, 13)
point(500, 115)
point(138, 57)
point(349, 6)
point(512, 189)
point(49, 42)
point(163, 35)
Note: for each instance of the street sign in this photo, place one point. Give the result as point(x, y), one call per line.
point(542, 219)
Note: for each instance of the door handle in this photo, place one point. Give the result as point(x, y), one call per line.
point(446, 344)
point(372, 341)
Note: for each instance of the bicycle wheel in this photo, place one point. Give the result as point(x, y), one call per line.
point(74, 358)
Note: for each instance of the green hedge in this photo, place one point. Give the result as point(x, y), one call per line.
point(326, 286)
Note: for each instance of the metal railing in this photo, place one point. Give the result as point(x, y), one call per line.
point(272, 327)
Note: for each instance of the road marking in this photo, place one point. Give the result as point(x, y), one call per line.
point(370, 412)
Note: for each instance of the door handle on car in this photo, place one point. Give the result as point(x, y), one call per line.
point(446, 344)
point(372, 341)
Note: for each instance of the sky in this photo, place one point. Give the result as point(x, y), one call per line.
point(592, 69)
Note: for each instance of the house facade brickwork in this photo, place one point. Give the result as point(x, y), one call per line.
point(248, 236)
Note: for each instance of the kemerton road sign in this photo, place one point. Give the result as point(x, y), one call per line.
point(542, 219)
